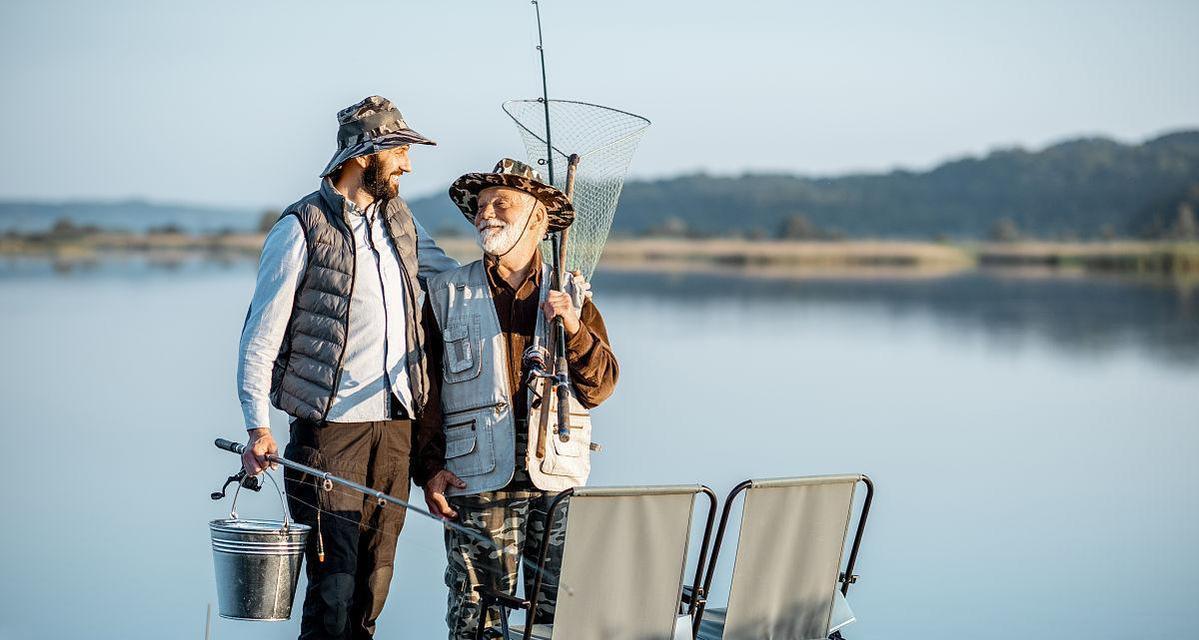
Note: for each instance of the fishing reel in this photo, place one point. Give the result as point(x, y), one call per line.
point(533, 360)
point(243, 479)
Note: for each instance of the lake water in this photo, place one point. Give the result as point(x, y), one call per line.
point(1033, 441)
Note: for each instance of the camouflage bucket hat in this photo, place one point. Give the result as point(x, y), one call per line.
point(370, 126)
point(517, 175)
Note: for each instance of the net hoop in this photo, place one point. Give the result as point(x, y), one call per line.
point(605, 140)
point(507, 106)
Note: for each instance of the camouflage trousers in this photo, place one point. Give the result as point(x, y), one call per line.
point(513, 518)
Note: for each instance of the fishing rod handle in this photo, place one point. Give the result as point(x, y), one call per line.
point(230, 446)
point(563, 391)
point(239, 448)
point(572, 165)
point(564, 235)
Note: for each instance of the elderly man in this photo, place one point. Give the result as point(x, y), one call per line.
point(493, 459)
point(334, 338)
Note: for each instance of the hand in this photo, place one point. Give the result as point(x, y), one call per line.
point(582, 288)
point(558, 304)
point(260, 444)
point(435, 493)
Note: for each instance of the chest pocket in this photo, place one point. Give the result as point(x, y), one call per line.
point(462, 350)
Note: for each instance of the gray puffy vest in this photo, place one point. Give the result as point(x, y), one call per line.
point(308, 367)
point(480, 430)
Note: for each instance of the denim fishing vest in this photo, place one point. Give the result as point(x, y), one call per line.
point(480, 430)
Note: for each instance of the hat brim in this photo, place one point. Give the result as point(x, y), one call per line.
point(465, 195)
point(375, 145)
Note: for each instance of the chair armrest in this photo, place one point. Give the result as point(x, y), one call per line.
point(501, 598)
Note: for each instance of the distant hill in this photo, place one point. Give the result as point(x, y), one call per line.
point(1082, 187)
point(128, 215)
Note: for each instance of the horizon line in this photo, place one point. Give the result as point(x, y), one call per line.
point(743, 173)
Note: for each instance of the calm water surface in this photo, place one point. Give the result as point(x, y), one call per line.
point(1033, 442)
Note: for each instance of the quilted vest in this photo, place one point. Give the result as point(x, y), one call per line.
point(308, 367)
point(480, 430)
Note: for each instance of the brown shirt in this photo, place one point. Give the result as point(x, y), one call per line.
point(593, 367)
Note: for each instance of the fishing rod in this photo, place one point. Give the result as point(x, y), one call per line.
point(561, 372)
point(545, 95)
point(328, 480)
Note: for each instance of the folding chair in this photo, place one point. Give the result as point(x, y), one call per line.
point(622, 566)
point(788, 562)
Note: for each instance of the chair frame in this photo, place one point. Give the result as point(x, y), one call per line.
point(846, 577)
point(491, 597)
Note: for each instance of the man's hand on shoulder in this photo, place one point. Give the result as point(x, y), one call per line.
point(435, 493)
point(259, 445)
point(582, 288)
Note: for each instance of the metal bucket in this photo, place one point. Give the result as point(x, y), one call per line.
point(257, 563)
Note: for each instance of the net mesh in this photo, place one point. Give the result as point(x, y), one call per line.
point(605, 139)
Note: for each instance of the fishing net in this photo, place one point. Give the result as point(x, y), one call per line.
point(605, 139)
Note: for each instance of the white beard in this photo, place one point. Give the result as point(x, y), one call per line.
point(497, 238)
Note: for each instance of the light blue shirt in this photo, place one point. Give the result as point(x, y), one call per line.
point(375, 363)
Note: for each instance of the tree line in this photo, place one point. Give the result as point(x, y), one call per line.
point(1090, 188)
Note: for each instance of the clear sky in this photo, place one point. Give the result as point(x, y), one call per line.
point(233, 102)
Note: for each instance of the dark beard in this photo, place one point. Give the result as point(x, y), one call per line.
point(376, 182)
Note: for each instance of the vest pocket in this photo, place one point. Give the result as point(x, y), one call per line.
point(460, 440)
point(462, 347)
point(579, 443)
point(468, 449)
point(573, 457)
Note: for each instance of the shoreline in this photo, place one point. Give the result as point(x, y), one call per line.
point(773, 258)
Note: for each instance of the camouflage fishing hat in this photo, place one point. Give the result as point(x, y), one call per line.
point(371, 126)
point(517, 175)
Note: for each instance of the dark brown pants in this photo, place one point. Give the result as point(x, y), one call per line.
point(347, 590)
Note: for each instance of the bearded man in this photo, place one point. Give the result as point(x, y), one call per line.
point(333, 338)
point(494, 459)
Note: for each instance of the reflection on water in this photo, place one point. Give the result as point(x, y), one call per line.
point(1083, 314)
point(1033, 441)
point(1077, 314)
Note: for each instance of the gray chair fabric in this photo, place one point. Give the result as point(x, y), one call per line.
point(623, 565)
point(682, 629)
point(711, 625)
point(785, 575)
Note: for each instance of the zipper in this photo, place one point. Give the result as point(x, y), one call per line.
point(350, 298)
point(413, 314)
point(413, 317)
point(499, 408)
point(471, 423)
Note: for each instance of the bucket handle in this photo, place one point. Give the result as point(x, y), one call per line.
point(282, 500)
